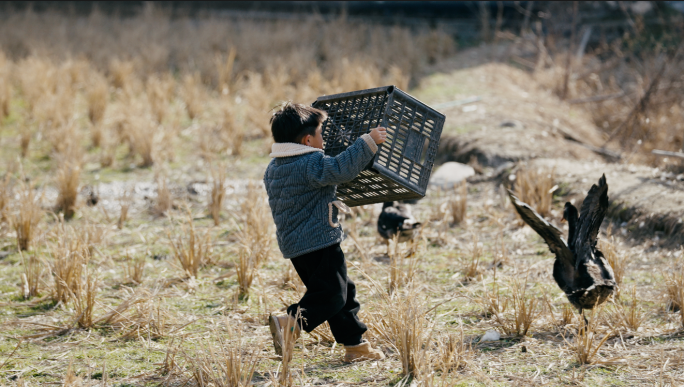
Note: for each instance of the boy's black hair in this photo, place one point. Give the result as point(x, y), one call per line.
point(292, 121)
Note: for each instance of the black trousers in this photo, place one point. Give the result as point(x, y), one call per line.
point(330, 295)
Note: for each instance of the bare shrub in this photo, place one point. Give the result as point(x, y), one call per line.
point(190, 249)
point(535, 187)
point(217, 193)
point(458, 203)
point(31, 276)
point(26, 220)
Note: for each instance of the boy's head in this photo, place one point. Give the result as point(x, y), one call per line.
point(298, 123)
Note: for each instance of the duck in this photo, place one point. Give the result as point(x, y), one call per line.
point(580, 269)
point(396, 219)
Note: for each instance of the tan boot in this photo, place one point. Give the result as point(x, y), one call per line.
point(362, 352)
point(277, 325)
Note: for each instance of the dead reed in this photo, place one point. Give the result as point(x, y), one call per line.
point(525, 310)
point(163, 201)
point(402, 272)
point(458, 203)
point(247, 266)
point(535, 187)
point(290, 337)
point(25, 140)
point(222, 362)
point(190, 249)
point(218, 193)
point(69, 260)
point(83, 298)
point(192, 95)
point(26, 220)
point(141, 134)
point(68, 179)
point(256, 223)
point(125, 202)
point(628, 313)
point(142, 315)
point(32, 275)
point(159, 92)
point(586, 344)
point(471, 268)
point(134, 269)
point(6, 195)
point(674, 290)
point(5, 87)
point(98, 98)
point(407, 330)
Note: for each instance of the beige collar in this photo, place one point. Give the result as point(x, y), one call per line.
point(288, 149)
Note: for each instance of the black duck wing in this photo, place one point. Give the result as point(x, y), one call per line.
point(550, 234)
point(593, 211)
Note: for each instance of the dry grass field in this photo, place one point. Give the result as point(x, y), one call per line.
point(137, 247)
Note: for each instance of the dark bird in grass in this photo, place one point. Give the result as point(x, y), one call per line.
point(580, 269)
point(396, 219)
point(91, 196)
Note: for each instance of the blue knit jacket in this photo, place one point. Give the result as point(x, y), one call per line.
point(301, 183)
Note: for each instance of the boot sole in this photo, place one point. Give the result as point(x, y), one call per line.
point(276, 334)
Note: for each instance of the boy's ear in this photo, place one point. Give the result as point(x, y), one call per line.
point(305, 140)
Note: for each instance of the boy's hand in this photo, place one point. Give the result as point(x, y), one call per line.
point(379, 135)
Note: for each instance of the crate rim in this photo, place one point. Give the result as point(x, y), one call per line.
point(376, 90)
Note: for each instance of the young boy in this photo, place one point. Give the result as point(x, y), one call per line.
point(301, 183)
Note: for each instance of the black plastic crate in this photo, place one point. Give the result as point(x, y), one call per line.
point(402, 166)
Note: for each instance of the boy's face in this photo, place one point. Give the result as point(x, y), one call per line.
point(316, 140)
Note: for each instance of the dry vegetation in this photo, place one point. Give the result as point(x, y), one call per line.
point(147, 108)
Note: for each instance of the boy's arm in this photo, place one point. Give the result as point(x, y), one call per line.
point(322, 171)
